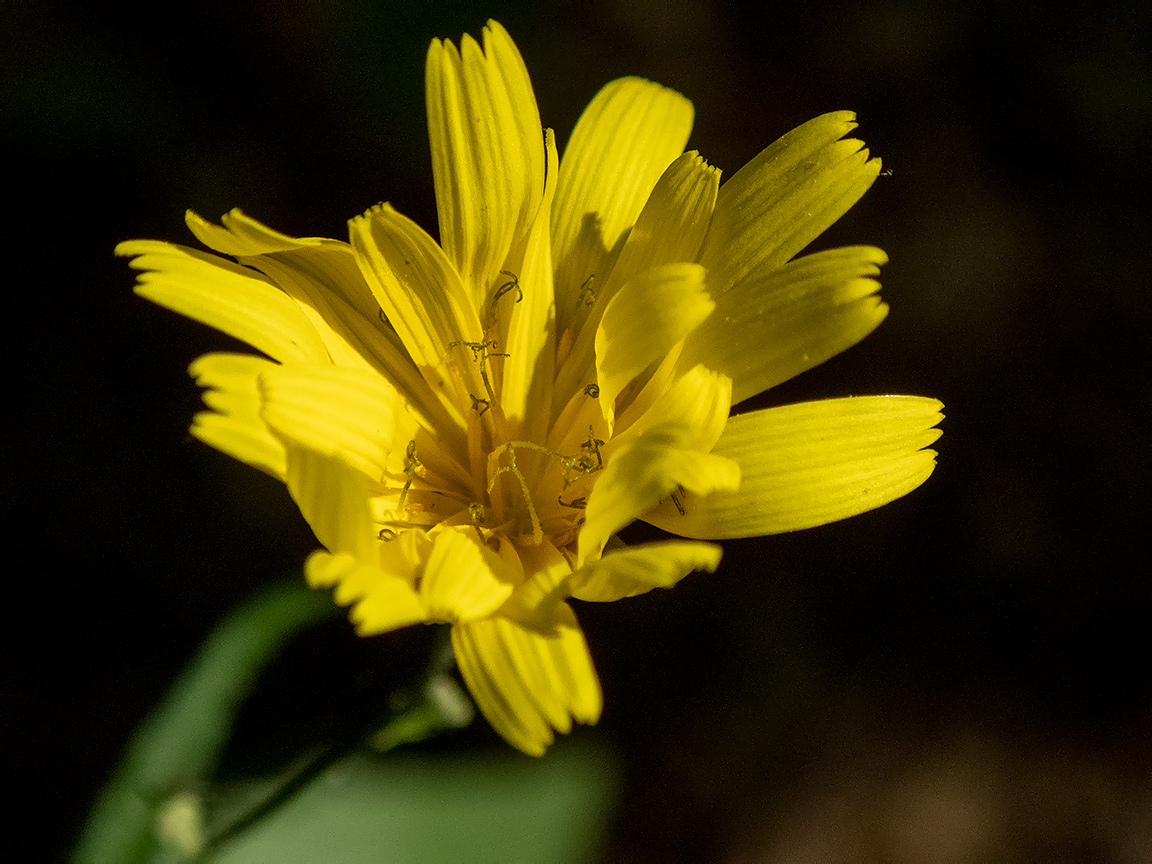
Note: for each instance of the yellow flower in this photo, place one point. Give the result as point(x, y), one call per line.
point(467, 425)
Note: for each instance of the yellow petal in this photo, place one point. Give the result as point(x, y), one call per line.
point(382, 602)
point(348, 414)
point(501, 696)
point(811, 463)
point(770, 328)
point(322, 276)
point(530, 341)
point(638, 569)
point(333, 499)
point(674, 220)
point(487, 152)
point(528, 683)
point(231, 298)
point(422, 296)
point(670, 228)
point(643, 321)
point(533, 602)
point(240, 235)
point(458, 584)
point(387, 605)
point(784, 198)
point(234, 425)
point(648, 469)
point(698, 400)
point(626, 137)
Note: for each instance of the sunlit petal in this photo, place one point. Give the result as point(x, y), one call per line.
point(811, 463)
point(529, 683)
point(786, 197)
point(234, 299)
point(770, 328)
point(648, 469)
point(648, 315)
point(234, 425)
point(487, 152)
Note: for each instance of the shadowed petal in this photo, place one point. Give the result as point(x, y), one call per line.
point(637, 570)
point(526, 394)
point(669, 229)
point(629, 133)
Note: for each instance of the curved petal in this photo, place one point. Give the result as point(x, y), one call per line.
point(457, 583)
point(643, 321)
point(347, 414)
point(771, 328)
point(322, 276)
point(487, 152)
point(670, 228)
point(231, 298)
point(533, 602)
point(382, 602)
point(699, 400)
point(811, 463)
point(639, 569)
point(530, 342)
point(527, 682)
point(647, 469)
point(629, 133)
point(234, 425)
point(239, 235)
point(674, 220)
point(422, 296)
point(784, 198)
point(333, 499)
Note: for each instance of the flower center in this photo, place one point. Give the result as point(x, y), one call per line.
point(539, 491)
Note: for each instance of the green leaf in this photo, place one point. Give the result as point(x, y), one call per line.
point(407, 806)
point(175, 750)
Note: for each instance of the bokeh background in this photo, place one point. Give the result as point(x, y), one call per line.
point(960, 676)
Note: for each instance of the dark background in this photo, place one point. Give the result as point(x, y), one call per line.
point(960, 676)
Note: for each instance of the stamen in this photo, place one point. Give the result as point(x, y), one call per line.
point(592, 390)
point(411, 464)
point(508, 286)
point(476, 512)
point(587, 293)
point(477, 349)
point(510, 468)
point(386, 534)
point(487, 383)
point(476, 403)
point(592, 446)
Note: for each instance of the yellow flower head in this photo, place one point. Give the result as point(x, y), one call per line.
point(466, 425)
